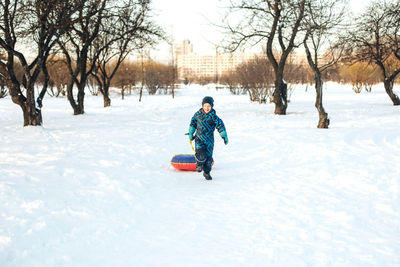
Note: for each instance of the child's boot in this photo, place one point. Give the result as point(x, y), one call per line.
point(207, 176)
point(199, 168)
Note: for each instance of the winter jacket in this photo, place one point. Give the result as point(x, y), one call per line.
point(204, 125)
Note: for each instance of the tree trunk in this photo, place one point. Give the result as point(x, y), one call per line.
point(140, 94)
point(280, 97)
point(32, 115)
point(323, 116)
point(77, 107)
point(107, 100)
point(81, 97)
point(388, 83)
point(106, 94)
point(70, 96)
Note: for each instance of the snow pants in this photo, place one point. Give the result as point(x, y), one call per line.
point(203, 160)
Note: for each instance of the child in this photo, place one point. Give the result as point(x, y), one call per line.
point(204, 123)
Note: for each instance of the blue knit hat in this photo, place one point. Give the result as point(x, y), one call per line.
point(209, 100)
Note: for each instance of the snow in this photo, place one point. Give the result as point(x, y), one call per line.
point(98, 189)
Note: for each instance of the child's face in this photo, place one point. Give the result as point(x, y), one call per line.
point(207, 107)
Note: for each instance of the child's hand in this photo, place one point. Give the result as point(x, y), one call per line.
point(224, 136)
point(191, 133)
point(225, 140)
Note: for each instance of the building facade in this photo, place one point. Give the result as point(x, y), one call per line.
point(183, 48)
point(191, 65)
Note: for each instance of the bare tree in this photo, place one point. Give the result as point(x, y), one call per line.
point(127, 27)
point(257, 78)
point(360, 75)
point(127, 76)
point(321, 21)
point(278, 23)
point(145, 55)
point(230, 79)
point(157, 77)
point(394, 27)
point(375, 39)
point(39, 22)
point(174, 70)
point(75, 47)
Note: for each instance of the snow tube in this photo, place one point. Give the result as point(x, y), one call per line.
point(185, 162)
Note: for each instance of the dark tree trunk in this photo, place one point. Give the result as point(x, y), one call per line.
point(173, 80)
point(78, 107)
point(70, 96)
point(388, 83)
point(323, 116)
point(107, 100)
point(106, 93)
point(280, 96)
point(32, 115)
point(140, 94)
point(104, 87)
point(81, 98)
point(45, 85)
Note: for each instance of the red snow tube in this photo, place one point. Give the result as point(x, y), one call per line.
point(185, 162)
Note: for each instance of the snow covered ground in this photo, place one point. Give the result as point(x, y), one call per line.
point(98, 189)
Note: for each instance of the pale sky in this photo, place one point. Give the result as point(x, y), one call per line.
point(192, 20)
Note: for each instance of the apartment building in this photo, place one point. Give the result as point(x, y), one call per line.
point(183, 48)
point(191, 65)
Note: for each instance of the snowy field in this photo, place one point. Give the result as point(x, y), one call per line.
point(98, 189)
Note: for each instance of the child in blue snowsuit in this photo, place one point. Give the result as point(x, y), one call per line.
point(204, 123)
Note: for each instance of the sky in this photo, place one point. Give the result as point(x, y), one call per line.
point(193, 20)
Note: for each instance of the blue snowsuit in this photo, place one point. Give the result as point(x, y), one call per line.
point(205, 124)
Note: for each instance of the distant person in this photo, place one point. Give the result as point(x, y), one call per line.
point(201, 129)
